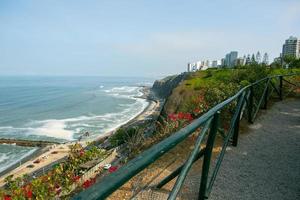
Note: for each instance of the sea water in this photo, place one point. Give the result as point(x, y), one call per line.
point(64, 108)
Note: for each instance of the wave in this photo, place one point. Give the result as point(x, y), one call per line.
point(10, 158)
point(126, 89)
point(69, 129)
point(125, 92)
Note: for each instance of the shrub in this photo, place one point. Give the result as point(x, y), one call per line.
point(122, 135)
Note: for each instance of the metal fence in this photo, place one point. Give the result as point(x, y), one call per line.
point(245, 103)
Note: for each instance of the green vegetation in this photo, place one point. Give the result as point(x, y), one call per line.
point(58, 181)
point(292, 62)
point(203, 89)
point(198, 93)
point(122, 135)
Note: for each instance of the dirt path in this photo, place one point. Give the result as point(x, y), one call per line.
point(266, 163)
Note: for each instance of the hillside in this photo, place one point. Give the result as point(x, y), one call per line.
point(201, 90)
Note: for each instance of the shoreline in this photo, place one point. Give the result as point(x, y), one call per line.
point(152, 106)
point(150, 109)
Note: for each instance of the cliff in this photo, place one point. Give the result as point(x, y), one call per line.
point(163, 88)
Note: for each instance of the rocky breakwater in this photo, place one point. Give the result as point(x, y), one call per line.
point(26, 143)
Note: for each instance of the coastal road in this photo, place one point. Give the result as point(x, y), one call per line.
point(54, 155)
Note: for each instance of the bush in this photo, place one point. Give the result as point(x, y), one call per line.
point(122, 135)
point(218, 93)
point(251, 73)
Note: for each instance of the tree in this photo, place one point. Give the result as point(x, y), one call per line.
point(253, 61)
point(266, 59)
point(288, 59)
point(277, 63)
point(248, 60)
point(258, 57)
point(295, 63)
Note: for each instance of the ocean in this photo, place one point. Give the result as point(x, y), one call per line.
point(64, 108)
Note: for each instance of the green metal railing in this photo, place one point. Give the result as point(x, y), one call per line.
point(248, 99)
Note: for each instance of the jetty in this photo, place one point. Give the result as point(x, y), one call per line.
point(27, 143)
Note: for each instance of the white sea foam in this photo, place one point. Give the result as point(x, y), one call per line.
point(69, 128)
point(3, 156)
point(54, 128)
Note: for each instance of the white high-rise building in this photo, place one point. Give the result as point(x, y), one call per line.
point(216, 63)
point(189, 67)
point(291, 47)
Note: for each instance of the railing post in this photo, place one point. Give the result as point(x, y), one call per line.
point(280, 87)
point(236, 131)
point(266, 96)
point(207, 156)
point(250, 106)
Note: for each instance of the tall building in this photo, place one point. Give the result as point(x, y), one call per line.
point(223, 62)
point(230, 59)
point(233, 58)
point(189, 67)
point(241, 61)
point(291, 47)
point(216, 63)
point(227, 60)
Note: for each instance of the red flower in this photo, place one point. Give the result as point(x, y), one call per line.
point(7, 197)
point(181, 115)
point(112, 169)
point(87, 184)
point(29, 194)
point(188, 116)
point(172, 117)
point(76, 178)
point(197, 110)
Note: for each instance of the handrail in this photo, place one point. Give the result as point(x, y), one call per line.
point(189, 162)
point(113, 181)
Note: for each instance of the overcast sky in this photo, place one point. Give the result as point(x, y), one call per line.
point(136, 37)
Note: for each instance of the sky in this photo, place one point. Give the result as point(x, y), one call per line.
point(137, 37)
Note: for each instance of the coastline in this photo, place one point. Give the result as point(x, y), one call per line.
point(152, 107)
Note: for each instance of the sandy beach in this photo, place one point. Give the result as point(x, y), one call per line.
point(37, 163)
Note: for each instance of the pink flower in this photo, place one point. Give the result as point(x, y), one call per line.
point(81, 153)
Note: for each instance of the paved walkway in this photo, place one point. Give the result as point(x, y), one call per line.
point(266, 163)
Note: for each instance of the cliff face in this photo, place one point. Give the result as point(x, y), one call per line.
point(163, 88)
